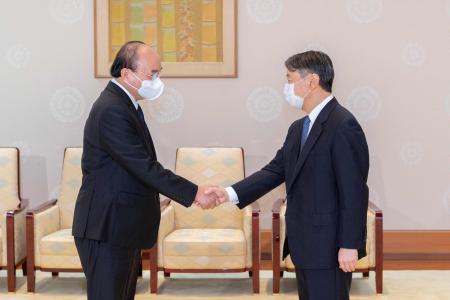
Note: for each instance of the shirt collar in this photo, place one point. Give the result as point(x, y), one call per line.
point(316, 111)
point(136, 105)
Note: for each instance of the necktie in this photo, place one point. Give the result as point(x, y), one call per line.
point(145, 128)
point(305, 130)
point(142, 121)
point(141, 116)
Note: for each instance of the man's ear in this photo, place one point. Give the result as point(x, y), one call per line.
point(315, 82)
point(124, 72)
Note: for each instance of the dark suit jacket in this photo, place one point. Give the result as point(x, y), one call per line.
point(327, 194)
point(118, 201)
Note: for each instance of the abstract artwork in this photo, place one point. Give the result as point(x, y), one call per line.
point(194, 38)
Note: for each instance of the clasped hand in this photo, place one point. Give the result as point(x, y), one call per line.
point(210, 196)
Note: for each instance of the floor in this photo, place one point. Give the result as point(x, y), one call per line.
point(398, 285)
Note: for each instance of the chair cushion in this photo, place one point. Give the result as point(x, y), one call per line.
point(205, 249)
point(209, 242)
point(59, 243)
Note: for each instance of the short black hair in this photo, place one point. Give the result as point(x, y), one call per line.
point(313, 62)
point(125, 58)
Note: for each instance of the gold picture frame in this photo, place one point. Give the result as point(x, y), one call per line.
point(195, 38)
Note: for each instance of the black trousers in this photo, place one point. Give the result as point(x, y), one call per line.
point(111, 271)
point(327, 284)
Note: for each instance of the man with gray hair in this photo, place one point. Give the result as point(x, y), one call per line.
point(324, 162)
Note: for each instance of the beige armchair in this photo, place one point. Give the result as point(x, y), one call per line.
point(372, 262)
point(50, 244)
point(224, 239)
point(12, 216)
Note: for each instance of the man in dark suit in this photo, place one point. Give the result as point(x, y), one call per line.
point(324, 162)
point(117, 212)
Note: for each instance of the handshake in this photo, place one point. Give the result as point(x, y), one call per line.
point(209, 196)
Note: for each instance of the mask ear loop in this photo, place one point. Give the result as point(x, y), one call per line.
point(130, 83)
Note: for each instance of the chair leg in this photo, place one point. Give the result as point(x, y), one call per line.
point(31, 278)
point(11, 278)
point(55, 274)
point(250, 274)
point(366, 274)
point(153, 281)
point(24, 268)
point(255, 279)
point(276, 281)
point(379, 279)
point(281, 274)
point(153, 270)
point(166, 274)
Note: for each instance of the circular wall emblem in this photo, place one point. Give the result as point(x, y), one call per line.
point(264, 11)
point(364, 11)
point(67, 11)
point(365, 103)
point(168, 108)
point(18, 56)
point(412, 153)
point(264, 104)
point(67, 105)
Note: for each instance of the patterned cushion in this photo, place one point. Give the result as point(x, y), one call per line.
point(70, 185)
point(205, 242)
point(220, 166)
point(363, 263)
point(58, 243)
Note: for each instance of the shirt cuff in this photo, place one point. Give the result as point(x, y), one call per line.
point(232, 195)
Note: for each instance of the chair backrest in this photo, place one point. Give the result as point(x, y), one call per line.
point(9, 180)
point(70, 185)
point(218, 166)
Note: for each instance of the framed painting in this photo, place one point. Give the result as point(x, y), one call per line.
point(195, 38)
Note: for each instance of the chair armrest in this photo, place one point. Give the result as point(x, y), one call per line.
point(15, 233)
point(167, 225)
point(256, 209)
point(42, 207)
point(251, 233)
point(378, 212)
point(41, 221)
point(23, 205)
point(378, 234)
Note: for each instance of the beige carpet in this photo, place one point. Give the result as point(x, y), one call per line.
point(398, 285)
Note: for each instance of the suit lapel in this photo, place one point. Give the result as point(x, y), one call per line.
point(143, 132)
point(313, 136)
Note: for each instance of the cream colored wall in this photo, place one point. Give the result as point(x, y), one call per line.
point(391, 61)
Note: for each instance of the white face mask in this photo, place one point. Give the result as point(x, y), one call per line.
point(291, 97)
point(150, 89)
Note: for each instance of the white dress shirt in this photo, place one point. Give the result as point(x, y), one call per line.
point(312, 116)
point(136, 105)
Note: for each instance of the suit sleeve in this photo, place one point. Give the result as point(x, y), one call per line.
point(119, 138)
point(260, 183)
point(351, 165)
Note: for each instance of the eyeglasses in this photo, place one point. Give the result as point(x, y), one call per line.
point(153, 74)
